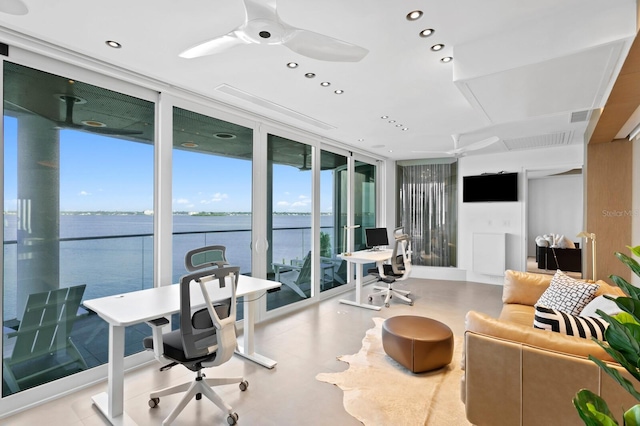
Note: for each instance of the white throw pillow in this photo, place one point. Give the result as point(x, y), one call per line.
point(567, 294)
point(607, 306)
point(541, 242)
point(566, 243)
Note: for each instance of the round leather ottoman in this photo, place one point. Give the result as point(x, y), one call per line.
point(418, 343)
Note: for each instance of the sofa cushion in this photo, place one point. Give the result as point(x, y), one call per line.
point(572, 325)
point(518, 314)
point(524, 288)
point(567, 294)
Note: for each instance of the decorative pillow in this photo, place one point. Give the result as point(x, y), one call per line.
point(607, 306)
point(541, 242)
point(567, 294)
point(566, 243)
point(572, 325)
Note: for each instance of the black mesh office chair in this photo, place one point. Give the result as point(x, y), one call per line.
point(398, 270)
point(206, 337)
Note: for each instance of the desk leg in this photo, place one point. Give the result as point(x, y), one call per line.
point(358, 302)
point(247, 351)
point(111, 403)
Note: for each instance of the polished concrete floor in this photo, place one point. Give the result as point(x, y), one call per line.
point(303, 343)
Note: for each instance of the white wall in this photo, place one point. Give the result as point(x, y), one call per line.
point(554, 206)
point(509, 218)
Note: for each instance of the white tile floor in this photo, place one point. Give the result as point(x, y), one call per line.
point(304, 344)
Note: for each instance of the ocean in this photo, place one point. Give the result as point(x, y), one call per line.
point(113, 253)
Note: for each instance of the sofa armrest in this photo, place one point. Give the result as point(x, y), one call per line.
point(548, 340)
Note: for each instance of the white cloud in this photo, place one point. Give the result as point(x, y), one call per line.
point(182, 201)
point(219, 197)
point(283, 204)
point(83, 193)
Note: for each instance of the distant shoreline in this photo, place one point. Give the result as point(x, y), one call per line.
point(181, 213)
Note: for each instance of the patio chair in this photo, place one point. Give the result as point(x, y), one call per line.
point(304, 274)
point(44, 334)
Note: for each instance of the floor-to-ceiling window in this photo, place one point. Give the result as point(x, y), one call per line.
point(427, 209)
point(333, 219)
point(364, 201)
point(78, 224)
point(289, 220)
point(212, 161)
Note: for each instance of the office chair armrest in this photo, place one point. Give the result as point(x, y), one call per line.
point(156, 332)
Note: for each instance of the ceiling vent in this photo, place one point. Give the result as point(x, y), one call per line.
point(538, 141)
point(230, 90)
point(579, 116)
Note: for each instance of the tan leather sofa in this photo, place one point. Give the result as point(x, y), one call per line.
point(518, 375)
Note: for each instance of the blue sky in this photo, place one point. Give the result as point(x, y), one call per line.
point(105, 173)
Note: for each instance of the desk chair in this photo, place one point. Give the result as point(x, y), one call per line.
point(206, 338)
point(204, 257)
point(398, 270)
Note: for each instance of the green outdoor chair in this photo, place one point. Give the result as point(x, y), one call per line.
point(44, 332)
point(304, 274)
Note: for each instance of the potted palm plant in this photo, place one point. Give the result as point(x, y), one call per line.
point(622, 342)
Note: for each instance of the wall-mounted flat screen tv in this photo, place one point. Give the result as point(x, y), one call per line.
point(490, 187)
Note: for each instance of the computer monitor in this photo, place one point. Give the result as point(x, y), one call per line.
point(376, 237)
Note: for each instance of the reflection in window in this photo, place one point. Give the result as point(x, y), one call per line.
point(364, 201)
point(78, 224)
point(429, 192)
point(333, 210)
point(289, 227)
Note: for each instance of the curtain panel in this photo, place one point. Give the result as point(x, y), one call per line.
point(428, 196)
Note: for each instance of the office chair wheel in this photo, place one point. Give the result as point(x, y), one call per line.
point(386, 305)
point(370, 299)
point(153, 402)
point(244, 385)
point(233, 418)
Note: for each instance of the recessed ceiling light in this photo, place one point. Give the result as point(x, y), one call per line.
point(338, 92)
point(292, 65)
point(310, 75)
point(223, 135)
point(189, 144)
point(405, 129)
point(93, 123)
point(437, 47)
point(446, 59)
point(392, 121)
point(325, 84)
point(398, 125)
point(360, 140)
point(384, 117)
point(113, 44)
point(416, 14)
point(427, 32)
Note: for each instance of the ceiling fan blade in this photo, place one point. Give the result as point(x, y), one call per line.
point(322, 47)
point(217, 45)
point(13, 7)
point(481, 144)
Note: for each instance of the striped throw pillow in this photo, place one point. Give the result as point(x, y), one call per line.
point(572, 325)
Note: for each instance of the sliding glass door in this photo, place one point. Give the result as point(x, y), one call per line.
point(78, 220)
point(289, 220)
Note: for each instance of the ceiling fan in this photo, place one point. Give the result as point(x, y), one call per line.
point(13, 7)
point(262, 25)
point(461, 152)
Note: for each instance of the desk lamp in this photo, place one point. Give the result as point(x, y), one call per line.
point(592, 236)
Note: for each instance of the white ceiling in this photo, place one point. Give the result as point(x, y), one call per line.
point(520, 68)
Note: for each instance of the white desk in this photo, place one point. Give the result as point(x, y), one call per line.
point(132, 308)
point(359, 258)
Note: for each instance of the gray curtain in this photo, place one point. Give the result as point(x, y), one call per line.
point(428, 200)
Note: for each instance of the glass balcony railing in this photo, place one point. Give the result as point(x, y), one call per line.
point(109, 265)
